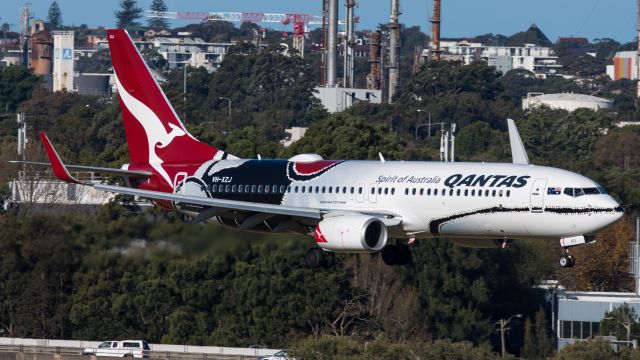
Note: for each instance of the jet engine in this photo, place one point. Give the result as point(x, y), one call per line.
point(481, 243)
point(351, 233)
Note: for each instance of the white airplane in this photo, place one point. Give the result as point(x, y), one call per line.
point(347, 206)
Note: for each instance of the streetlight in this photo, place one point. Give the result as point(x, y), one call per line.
point(418, 127)
point(503, 327)
point(229, 100)
point(428, 112)
point(627, 326)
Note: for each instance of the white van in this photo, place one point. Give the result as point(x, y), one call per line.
point(135, 348)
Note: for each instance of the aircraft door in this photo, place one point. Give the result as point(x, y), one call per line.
point(537, 195)
point(372, 193)
point(360, 189)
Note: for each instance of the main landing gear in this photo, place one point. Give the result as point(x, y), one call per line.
point(317, 257)
point(396, 254)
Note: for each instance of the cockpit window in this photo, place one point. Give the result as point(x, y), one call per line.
point(575, 192)
point(591, 191)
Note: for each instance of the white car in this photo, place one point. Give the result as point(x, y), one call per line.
point(134, 348)
point(280, 355)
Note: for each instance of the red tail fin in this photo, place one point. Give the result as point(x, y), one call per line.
point(154, 132)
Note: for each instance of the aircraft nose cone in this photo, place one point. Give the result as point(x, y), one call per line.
point(617, 210)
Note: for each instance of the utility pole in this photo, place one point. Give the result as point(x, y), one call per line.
point(638, 45)
point(184, 93)
point(503, 328)
point(229, 100)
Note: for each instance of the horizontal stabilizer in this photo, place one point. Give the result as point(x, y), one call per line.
point(95, 169)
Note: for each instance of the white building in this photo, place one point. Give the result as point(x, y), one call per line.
point(577, 315)
point(565, 101)
point(337, 99)
point(292, 135)
point(625, 66)
point(196, 52)
point(464, 51)
point(537, 59)
point(43, 190)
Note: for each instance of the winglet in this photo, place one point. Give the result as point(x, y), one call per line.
point(518, 152)
point(58, 167)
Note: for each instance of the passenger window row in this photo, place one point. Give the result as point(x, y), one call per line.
point(458, 192)
point(275, 189)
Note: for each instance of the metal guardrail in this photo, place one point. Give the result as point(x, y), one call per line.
point(159, 355)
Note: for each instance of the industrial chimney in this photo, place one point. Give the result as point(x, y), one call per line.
point(332, 39)
point(394, 47)
point(435, 29)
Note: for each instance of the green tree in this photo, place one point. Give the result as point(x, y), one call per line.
point(587, 350)
point(160, 6)
point(544, 343)
point(54, 17)
point(17, 83)
point(529, 348)
point(128, 14)
point(448, 77)
point(344, 136)
point(621, 322)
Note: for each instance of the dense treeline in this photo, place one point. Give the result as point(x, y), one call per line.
point(153, 276)
point(121, 273)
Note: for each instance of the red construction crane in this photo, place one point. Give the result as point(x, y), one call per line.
point(298, 20)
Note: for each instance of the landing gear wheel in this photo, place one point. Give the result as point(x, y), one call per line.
point(567, 261)
point(329, 260)
point(390, 254)
point(314, 258)
point(564, 261)
point(404, 255)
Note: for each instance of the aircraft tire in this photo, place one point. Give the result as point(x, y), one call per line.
point(404, 255)
point(329, 260)
point(314, 258)
point(390, 255)
point(565, 262)
point(572, 261)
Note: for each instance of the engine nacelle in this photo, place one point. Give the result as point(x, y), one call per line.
point(481, 243)
point(351, 233)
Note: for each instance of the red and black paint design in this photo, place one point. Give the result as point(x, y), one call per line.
point(273, 175)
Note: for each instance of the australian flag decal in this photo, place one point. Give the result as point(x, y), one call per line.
point(554, 191)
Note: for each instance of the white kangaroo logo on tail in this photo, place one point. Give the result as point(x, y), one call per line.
point(156, 132)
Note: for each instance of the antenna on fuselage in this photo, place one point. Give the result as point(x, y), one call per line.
point(518, 152)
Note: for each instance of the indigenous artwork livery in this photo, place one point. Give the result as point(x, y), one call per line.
point(347, 206)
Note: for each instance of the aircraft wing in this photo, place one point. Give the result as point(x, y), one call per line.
point(215, 203)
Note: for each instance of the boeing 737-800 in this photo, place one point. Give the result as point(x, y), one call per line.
point(347, 206)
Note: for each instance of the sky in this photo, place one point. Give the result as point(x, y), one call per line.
point(460, 18)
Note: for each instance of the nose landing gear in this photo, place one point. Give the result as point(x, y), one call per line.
point(567, 260)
